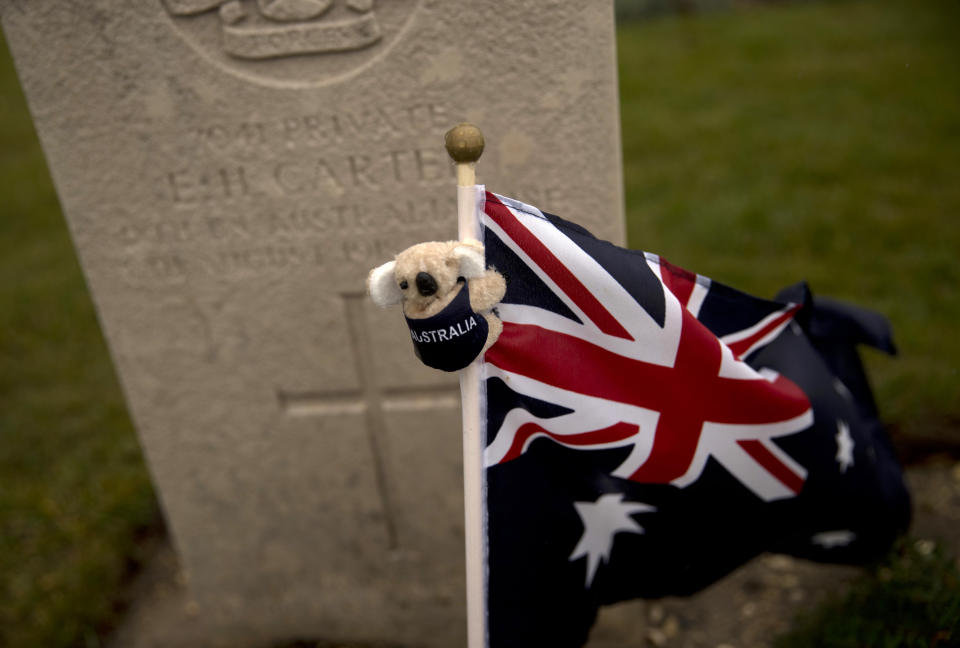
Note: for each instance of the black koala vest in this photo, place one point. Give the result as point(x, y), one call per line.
point(452, 338)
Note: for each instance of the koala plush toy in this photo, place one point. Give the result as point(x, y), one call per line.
point(448, 296)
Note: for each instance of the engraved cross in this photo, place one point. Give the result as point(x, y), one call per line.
point(373, 400)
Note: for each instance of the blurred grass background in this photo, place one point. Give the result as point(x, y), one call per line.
point(816, 141)
point(910, 600)
point(74, 492)
point(762, 145)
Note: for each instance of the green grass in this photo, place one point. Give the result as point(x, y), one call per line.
point(814, 140)
point(817, 141)
point(911, 600)
point(73, 488)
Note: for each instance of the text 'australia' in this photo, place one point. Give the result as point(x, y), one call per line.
point(445, 334)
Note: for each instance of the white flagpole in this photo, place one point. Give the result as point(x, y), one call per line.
point(465, 145)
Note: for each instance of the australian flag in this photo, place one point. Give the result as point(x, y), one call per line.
point(648, 430)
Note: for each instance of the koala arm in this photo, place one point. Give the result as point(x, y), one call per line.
point(487, 290)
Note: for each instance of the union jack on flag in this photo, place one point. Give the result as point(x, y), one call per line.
point(648, 430)
point(663, 386)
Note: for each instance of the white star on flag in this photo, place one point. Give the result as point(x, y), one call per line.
point(831, 539)
point(841, 389)
point(844, 446)
point(602, 520)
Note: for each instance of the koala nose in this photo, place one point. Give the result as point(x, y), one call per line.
point(426, 285)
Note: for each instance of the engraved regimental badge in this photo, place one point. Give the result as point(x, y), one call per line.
point(291, 40)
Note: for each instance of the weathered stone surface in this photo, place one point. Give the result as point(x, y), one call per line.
point(230, 170)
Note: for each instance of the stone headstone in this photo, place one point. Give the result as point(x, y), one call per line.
point(230, 171)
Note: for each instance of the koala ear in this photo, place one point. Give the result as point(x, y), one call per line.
point(382, 285)
point(471, 261)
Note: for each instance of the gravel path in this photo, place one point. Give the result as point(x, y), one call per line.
point(744, 610)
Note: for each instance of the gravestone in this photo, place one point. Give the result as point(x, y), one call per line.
point(230, 170)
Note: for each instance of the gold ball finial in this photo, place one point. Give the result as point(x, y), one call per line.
point(464, 143)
